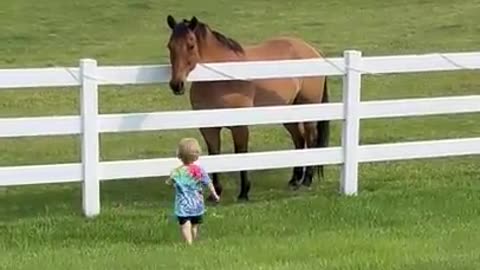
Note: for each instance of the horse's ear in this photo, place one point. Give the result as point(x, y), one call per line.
point(193, 23)
point(171, 21)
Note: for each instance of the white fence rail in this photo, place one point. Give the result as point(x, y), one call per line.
point(89, 124)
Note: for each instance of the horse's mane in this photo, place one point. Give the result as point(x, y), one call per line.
point(201, 32)
point(226, 41)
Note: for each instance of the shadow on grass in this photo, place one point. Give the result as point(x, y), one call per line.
point(139, 212)
point(133, 211)
point(36, 201)
point(65, 200)
point(151, 194)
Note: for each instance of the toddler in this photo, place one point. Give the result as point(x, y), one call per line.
point(189, 180)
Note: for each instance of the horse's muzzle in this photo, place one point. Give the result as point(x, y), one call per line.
point(178, 87)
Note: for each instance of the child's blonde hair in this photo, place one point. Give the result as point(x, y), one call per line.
point(188, 150)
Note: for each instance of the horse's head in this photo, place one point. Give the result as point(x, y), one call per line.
point(184, 52)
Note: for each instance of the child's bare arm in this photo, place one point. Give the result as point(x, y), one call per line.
point(212, 190)
point(206, 181)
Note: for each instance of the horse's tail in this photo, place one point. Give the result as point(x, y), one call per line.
point(323, 129)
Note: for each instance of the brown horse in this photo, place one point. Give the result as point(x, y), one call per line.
point(193, 42)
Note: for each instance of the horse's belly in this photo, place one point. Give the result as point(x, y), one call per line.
point(274, 92)
point(221, 94)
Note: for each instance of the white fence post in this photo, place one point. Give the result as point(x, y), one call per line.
point(351, 125)
point(90, 140)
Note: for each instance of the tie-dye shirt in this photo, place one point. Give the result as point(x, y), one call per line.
point(189, 181)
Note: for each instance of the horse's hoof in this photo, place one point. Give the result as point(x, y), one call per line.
point(219, 190)
point(243, 198)
point(306, 186)
point(211, 199)
point(293, 185)
point(293, 182)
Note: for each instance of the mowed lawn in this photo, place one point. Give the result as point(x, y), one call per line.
point(421, 214)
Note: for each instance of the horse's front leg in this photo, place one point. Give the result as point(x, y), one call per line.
point(240, 136)
point(212, 139)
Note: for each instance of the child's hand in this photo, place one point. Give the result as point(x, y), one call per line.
point(213, 192)
point(168, 181)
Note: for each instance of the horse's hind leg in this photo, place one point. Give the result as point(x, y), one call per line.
point(299, 142)
point(314, 91)
point(310, 137)
point(240, 136)
point(212, 139)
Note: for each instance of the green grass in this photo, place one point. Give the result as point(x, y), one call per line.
point(409, 215)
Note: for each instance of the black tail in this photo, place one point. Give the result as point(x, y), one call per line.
point(323, 129)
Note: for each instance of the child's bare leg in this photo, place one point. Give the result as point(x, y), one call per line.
point(195, 231)
point(187, 232)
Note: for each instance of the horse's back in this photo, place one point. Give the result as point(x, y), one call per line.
point(281, 48)
point(288, 90)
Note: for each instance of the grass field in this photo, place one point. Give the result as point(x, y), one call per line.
point(422, 214)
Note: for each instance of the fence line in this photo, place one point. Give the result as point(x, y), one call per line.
point(171, 120)
point(351, 110)
point(149, 74)
point(138, 168)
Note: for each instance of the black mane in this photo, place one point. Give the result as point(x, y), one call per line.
point(182, 29)
point(227, 42)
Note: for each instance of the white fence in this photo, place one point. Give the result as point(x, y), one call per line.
point(90, 124)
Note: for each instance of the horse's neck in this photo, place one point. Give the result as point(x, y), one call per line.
point(221, 55)
point(213, 51)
